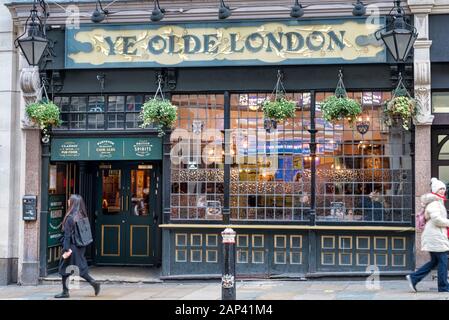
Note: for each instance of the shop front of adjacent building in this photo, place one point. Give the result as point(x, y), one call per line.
point(307, 199)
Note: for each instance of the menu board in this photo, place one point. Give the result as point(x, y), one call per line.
point(56, 213)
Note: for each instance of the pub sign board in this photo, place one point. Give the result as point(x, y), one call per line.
point(98, 149)
point(230, 43)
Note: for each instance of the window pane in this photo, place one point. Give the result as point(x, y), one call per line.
point(444, 151)
point(78, 104)
point(140, 190)
point(95, 121)
point(116, 121)
point(134, 103)
point(65, 121)
point(63, 103)
point(116, 103)
point(440, 102)
point(96, 104)
point(133, 121)
point(443, 174)
point(78, 121)
point(111, 185)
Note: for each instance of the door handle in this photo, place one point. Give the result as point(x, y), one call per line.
point(127, 203)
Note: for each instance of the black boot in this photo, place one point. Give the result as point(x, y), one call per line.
point(65, 289)
point(63, 294)
point(93, 283)
point(97, 287)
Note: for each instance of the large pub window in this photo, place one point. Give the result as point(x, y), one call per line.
point(259, 190)
point(363, 171)
point(363, 176)
point(197, 181)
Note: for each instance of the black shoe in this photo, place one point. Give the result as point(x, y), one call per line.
point(97, 288)
point(63, 294)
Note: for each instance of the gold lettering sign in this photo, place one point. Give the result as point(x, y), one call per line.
point(289, 42)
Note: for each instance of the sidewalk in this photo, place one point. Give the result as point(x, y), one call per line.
point(249, 290)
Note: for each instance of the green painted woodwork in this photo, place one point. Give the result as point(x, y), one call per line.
point(105, 149)
point(122, 236)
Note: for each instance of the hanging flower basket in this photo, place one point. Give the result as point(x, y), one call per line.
point(277, 107)
point(44, 114)
point(339, 106)
point(158, 112)
point(401, 109)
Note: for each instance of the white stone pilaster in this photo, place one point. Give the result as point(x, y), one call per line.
point(422, 88)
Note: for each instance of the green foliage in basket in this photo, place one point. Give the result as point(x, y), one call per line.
point(338, 108)
point(45, 114)
point(159, 112)
point(280, 109)
point(400, 109)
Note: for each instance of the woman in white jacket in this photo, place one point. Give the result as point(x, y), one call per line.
point(434, 238)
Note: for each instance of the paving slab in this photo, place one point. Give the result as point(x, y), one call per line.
point(252, 290)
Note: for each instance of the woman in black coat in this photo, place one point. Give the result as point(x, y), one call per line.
point(73, 256)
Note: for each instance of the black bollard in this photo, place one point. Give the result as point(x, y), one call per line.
point(228, 274)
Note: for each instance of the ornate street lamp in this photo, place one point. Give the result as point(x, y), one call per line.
point(398, 35)
point(33, 41)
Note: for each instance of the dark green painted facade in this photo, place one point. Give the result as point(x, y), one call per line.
point(198, 251)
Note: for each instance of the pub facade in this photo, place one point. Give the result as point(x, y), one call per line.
point(307, 199)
